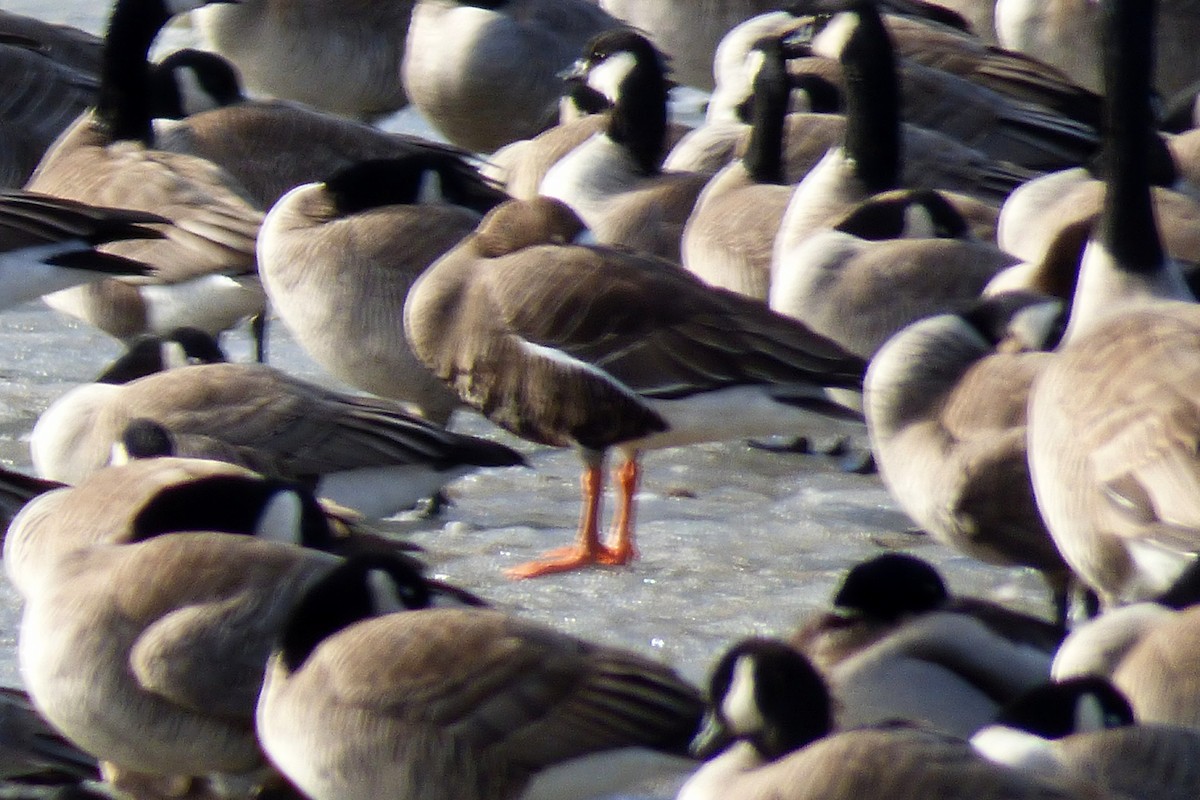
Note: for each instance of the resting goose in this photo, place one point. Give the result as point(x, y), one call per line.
point(1084, 729)
point(470, 704)
point(486, 72)
point(339, 256)
point(344, 59)
point(945, 400)
point(368, 454)
point(769, 735)
point(574, 345)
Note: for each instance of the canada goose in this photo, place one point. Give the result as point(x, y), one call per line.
point(687, 33)
point(49, 243)
point(1066, 34)
point(39, 98)
point(65, 44)
point(943, 669)
point(485, 72)
point(868, 159)
point(147, 355)
point(452, 703)
point(891, 260)
point(933, 98)
point(1083, 728)
point(172, 644)
point(32, 751)
point(146, 497)
point(614, 180)
point(338, 257)
point(1146, 650)
point(945, 401)
point(772, 713)
point(367, 454)
point(268, 147)
point(1110, 416)
point(877, 597)
point(728, 236)
point(107, 157)
point(344, 60)
point(584, 351)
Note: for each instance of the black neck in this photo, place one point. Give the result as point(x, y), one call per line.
point(124, 103)
point(1127, 227)
point(872, 101)
point(772, 90)
point(639, 117)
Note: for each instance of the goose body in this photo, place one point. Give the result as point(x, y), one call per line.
point(345, 59)
point(485, 73)
point(453, 703)
point(107, 157)
point(945, 401)
point(338, 258)
point(1110, 465)
point(366, 454)
point(777, 711)
point(614, 180)
point(585, 350)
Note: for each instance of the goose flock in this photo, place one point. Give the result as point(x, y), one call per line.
point(960, 236)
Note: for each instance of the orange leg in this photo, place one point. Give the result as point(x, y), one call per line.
point(587, 548)
point(621, 548)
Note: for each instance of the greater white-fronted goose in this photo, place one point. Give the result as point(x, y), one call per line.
point(573, 345)
point(338, 258)
point(364, 453)
point(486, 72)
point(462, 703)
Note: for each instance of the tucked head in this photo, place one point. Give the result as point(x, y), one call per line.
point(890, 587)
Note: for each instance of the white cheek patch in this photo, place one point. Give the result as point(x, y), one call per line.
point(280, 520)
point(738, 706)
point(173, 355)
point(384, 597)
point(607, 76)
point(431, 188)
point(1089, 715)
point(832, 39)
point(192, 95)
point(918, 223)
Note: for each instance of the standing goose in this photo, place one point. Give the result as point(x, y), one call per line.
point(1112, 420)
point(945, 401)
point(49, 243)
point(769, 735)
point(614, 181)
point(367, 454)
point(485, 72)
point(469, 704)
point(567, 344)
point(342, 58)
point(728, 236)
point(338, 258)
point(206, 260)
